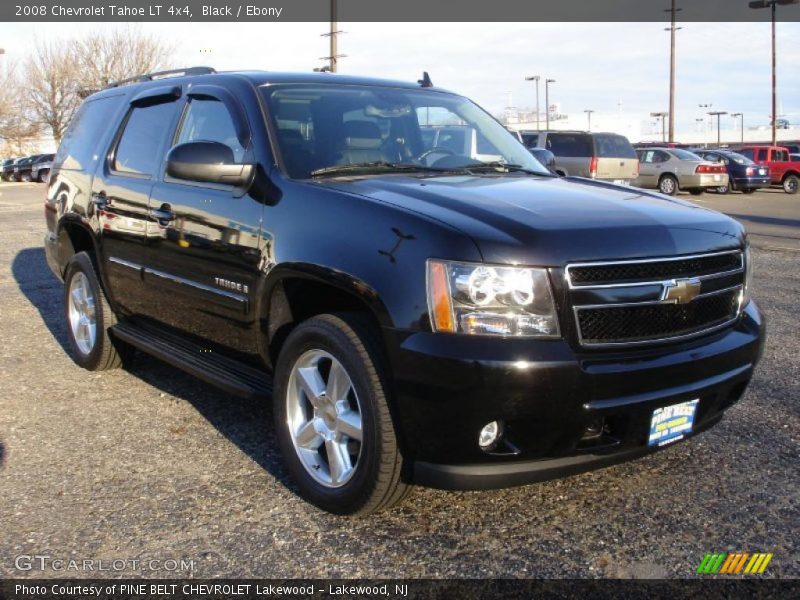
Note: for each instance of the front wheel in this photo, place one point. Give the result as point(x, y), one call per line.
point(44, 176)
point(668, 185)
point(332, 417)
point(790, 184)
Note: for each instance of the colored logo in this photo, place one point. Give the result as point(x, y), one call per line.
point(681, 291)
point(737, 563)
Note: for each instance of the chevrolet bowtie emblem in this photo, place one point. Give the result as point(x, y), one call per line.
point(681, 291)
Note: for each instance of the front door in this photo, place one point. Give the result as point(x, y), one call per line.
point(205, 271)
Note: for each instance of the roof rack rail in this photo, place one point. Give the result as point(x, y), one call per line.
point(164, 75)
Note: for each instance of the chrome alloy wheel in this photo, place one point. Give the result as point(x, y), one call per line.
point(324, 418)
point(82, 314)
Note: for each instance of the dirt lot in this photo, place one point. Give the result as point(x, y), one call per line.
point(148, 463)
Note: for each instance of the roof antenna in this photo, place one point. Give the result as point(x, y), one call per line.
point(426, 80)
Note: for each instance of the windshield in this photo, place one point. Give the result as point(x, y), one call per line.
point(326, 130)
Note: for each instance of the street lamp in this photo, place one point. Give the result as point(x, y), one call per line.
point(661, 115)
point(536, 78)
point(547, 83)
point(718, 114)
point(589, 115)
point(773, 5)
point(741, 123)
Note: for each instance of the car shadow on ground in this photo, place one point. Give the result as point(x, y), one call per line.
point(2, 455)
point(42, 289)
point(247, 424)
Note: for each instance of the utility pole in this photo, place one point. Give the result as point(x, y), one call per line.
point(772, 4)
point(333, 58)
point(741, 122)
point(718, 114)
point(547, 83)
point(536, 78)
point(589, 115)
point(672, 29)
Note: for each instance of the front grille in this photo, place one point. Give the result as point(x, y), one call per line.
point(587, 275)
point(634, 302)
point(638, 323)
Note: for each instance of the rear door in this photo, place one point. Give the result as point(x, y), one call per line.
point(616, 158)
point(573, 152)
point(121, 189)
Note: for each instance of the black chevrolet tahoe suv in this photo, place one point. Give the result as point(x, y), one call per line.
point(414, 314)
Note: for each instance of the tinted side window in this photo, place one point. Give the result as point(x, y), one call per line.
point(145, 129)
point(762, 154)
point(613, 146)
point(570, 144)
point(208, 120)
point(78, 149)
point(780, 156)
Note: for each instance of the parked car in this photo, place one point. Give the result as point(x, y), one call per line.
point(7, 169)
point(743, 174)
point(672, 169)
point(22, 168)
point(794, 157)
point(414, 315)
point(784, 172)
point(793, 148)
point(545, 157)
point(40, 168)
point(603, 156)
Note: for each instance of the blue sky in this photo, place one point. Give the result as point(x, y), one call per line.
point(596, 65)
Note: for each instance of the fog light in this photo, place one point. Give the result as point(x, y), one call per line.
point(490, 435)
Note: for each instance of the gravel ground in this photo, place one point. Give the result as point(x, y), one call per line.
point(148, 463)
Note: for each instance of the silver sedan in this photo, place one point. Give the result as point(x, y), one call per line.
point(670, 169)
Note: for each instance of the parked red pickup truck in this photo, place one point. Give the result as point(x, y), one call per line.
point(784, 171)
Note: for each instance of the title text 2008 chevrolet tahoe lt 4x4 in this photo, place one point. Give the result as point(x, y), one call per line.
point(416, 315)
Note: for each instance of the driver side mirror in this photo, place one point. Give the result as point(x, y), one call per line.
point(208, 162)
point(546, 157)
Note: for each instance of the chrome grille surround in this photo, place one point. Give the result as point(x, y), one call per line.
point(688, 268)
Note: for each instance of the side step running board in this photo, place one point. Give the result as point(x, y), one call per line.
point(220, 371)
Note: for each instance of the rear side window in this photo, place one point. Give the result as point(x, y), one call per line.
point(78, 149)
point(138, 148)
point(570, 144)
point(208, 120)
point(762, 154)
point(780, 156)
point(613, 146)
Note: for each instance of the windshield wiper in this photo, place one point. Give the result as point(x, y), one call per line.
point(509, 167)
point(378, 166)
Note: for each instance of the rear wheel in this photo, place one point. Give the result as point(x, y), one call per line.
point(44, 176)
point(332, 418)
point(668, 185)
point(89, 317)
point(791, 184)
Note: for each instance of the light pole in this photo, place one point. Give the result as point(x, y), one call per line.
point(547, 83)
point(672, 29)
point(718, 114)
point(773, 5)
point(589, 116)
point(661, 115)
point(536, 78)
point(333, 64)
point(741, 122)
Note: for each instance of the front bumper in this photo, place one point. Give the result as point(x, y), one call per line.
point(447, 387)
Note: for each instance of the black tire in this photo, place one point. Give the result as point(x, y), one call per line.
point(696, 192)
point(44, 176)
point(105, 353)
point(376, 481)
point(748, 191)
point(791, 183)
point(668, 185)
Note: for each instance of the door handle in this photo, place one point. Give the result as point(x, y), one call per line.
point(160, 214)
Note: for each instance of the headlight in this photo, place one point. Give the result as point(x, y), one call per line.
point(490, 300)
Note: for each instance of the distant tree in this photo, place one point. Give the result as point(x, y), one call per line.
point(106, 57)
point(18, 132)
point(51, 86)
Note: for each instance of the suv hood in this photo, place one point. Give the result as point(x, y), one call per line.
point(550, 222)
